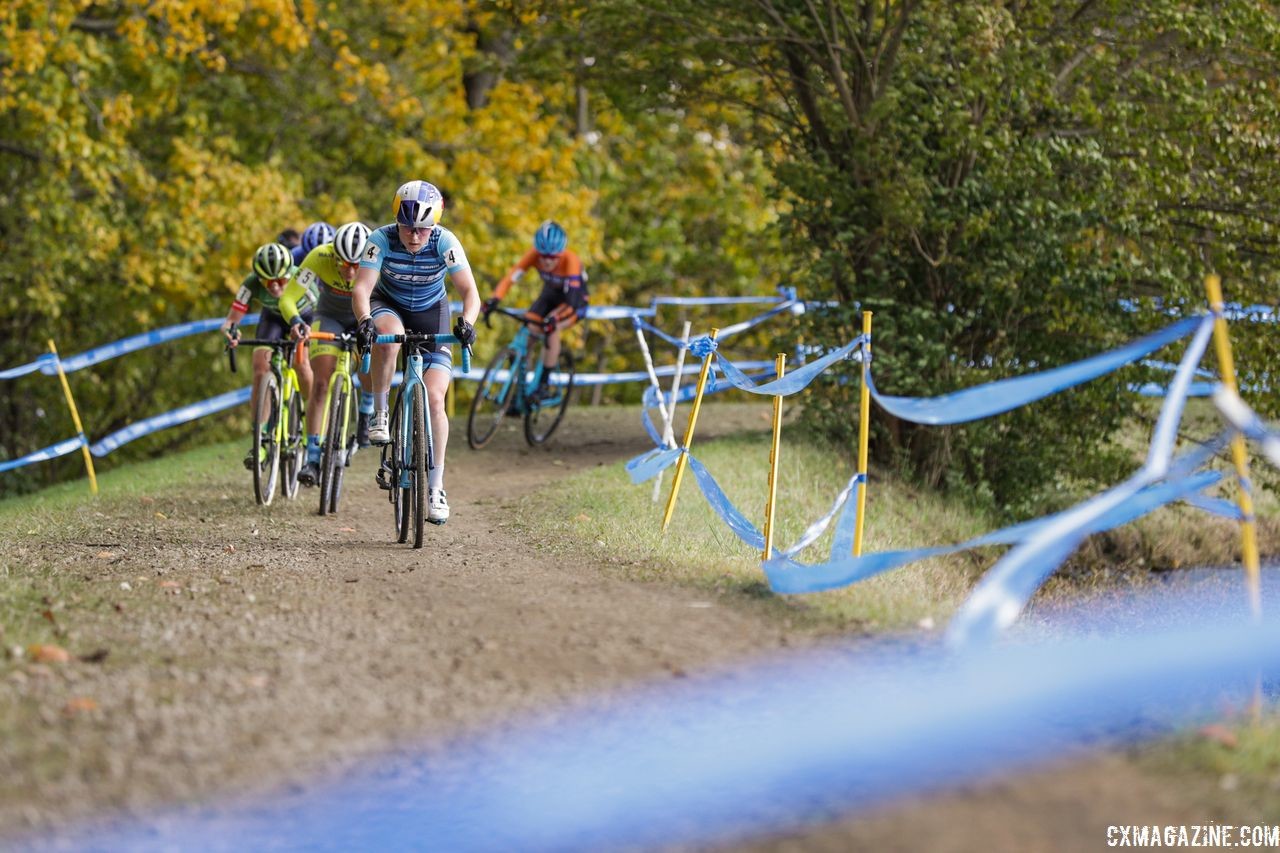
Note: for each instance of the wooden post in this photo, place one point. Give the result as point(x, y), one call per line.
point(75, 418)
point(780, 363)
point(683, 461)
point(864, 433)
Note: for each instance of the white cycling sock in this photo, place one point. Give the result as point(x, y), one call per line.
point(435, 477)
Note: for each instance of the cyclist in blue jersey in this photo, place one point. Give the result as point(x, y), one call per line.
point(400, 286)
point(316, 234)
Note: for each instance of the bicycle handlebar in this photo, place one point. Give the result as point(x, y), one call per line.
point(285, 344)
point(419, 338)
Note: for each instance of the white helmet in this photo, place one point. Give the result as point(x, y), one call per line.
point(418, 204)
point(349, 241)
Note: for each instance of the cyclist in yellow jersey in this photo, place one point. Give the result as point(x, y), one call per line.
point(272, 269)
point(330, 267)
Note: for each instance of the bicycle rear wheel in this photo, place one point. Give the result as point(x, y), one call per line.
point(330, 451)
point(418, 459)
point(495, 394)
point(542, 418)
point(266, 449)
point(294, 452)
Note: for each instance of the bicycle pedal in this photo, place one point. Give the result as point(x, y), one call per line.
point(384, 479)
point(438, 522)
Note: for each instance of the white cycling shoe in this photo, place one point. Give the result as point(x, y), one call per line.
point(378, 431)
point(437, 506)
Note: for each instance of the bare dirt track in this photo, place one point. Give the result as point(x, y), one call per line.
point(249, 650)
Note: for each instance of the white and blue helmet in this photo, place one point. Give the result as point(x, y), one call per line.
point(317, 234)
point(418, 204)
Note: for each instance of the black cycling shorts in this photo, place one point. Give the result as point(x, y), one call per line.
point(562, 304)
point(431, 321)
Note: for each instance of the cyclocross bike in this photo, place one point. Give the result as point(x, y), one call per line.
point(411, 453)
point(509, 383)
point(279, 425)
point(337, 429)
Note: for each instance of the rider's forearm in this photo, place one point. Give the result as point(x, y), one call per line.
point(234, 316)
point(361, 290)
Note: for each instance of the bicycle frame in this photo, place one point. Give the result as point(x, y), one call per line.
point(532, 377)
point(404, 468)
point(286, 436)
point(342, 370)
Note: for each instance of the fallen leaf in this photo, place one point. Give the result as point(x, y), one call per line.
point(48, 653)
point(161, 515)
point(170, 585)
point(106, 555)
point(1219, 734)
point(347, 529)
point(79, 705)
point(146, 500)
point(125, 586)
point(48, 614)
point(230, 549)
point(582, 516)
point(95, 656)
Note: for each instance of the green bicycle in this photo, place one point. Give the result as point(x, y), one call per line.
point(338, 429)
point(279, 427)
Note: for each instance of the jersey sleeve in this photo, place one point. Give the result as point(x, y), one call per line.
point(455, 259)
point(298, 292)
point(245, 294)
point(513, 275)
point(375, 249)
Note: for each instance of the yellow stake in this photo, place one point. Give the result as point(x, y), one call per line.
point(448, 399)
point(1239, 452)
point(688, 437)
point(780, 364)
point(75, 418)
point(864, 433)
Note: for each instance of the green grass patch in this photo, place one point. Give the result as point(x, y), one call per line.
point(602, 514)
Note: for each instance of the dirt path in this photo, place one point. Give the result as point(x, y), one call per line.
point(251, 648)
point(255, 650)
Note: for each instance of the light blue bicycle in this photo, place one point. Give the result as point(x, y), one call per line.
point(411, 453)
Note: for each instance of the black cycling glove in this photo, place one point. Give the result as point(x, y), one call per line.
point(464, 332)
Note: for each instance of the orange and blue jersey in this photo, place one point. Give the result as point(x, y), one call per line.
point(566, 276)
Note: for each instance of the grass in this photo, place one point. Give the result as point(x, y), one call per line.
point(601, 512)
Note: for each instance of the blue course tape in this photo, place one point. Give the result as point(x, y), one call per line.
point(788, 577)
point(169, 419)
point(31, 367)
point(792, 382)
point(88, 358)
point(768, 748)
point(53, 451)
point(996, 397)
point(1002, 593)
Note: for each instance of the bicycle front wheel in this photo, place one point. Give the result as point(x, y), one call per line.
point(495, 394)
point(397, 452)
point(294, 452)
point(418, 456)
point(266, 449)
point(542, 417)
point(330, 451)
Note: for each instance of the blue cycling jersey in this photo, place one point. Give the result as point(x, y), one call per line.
point(413, 281)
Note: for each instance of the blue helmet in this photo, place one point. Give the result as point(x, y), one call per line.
point(317, 233)
point(418, 204)
point(550, 239)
